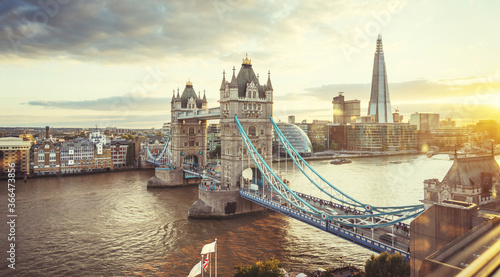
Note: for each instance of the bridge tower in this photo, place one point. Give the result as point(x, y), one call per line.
point(188, 141)
point(189, 136)
point(252, 102)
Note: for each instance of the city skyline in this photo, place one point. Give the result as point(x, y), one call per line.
point(78, 64)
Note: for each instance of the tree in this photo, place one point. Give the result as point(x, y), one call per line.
point(387, 265)
point(216, 152)
point(269, 268)
point(318, 147)
point(334, 146)
point(130, 154)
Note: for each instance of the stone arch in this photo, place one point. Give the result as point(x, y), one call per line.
point(191, 160)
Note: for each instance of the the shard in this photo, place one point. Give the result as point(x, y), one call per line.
point(380, 104)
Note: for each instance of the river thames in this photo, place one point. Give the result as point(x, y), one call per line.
point(111, 224)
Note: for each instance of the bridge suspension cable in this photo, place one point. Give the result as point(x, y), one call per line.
point(273, 180)
point(164, 150)
point(325, 186)
point(381, 216)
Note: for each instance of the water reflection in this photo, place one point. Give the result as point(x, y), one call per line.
point(110, 224)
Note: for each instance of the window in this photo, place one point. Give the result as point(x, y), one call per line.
point(191, 130)
point(261, 132)
point(197, 144)
point(52, 156)
point(41, 155)
point(252, 131)
point(191, 143)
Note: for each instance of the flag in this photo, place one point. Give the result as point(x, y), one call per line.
point(196, 270)
point(205, 263)
point(208, 248)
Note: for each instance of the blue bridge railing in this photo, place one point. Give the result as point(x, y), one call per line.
point(325, 225)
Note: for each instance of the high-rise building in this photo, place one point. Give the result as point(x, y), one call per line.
point(213, 137)
point(345, 111)
point(425, 122)
point(380, 104)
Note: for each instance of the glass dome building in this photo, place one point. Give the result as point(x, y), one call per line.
point(296, 136)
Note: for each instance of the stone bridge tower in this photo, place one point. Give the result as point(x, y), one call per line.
point(189, 137)
point(252, 102)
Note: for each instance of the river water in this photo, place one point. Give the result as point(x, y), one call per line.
point(111, 224)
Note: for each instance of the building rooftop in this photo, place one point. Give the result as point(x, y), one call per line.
point(472, 171)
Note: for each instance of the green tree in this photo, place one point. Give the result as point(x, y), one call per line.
point(334, 146)
point(387, 265)
point(318, 147)
point(269, 268)
point(216, 152)
point(130, 154)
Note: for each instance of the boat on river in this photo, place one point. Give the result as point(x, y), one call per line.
point(341, 161)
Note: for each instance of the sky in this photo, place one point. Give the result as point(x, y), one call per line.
point(77, 63)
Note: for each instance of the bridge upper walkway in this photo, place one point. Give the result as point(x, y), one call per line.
point(212, 113)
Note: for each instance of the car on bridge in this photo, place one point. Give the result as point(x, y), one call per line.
point(388, 237)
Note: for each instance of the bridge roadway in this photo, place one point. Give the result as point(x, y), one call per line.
point(368, 238)
point(197, 172)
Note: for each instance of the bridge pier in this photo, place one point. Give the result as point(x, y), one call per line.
point(221, 204)
point(164, 178)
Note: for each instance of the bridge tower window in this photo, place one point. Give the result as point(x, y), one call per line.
point(252, 131)
point(191, 130)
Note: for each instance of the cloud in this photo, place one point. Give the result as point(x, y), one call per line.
point(411, 90)
point(126, 103)
point(120, 31)
point(121, 120)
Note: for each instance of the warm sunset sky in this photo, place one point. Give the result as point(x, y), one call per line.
point(75, 63)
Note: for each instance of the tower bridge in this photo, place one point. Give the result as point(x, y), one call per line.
point(247, 127)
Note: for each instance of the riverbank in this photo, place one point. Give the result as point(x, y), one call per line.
point(328, 155)
point(121, 169)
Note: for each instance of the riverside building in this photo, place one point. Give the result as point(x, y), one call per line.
point(17, 151)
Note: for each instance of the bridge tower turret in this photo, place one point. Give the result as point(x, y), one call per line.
point(252, 102)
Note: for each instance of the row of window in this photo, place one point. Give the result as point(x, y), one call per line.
point(191, 131)
point(191, 143)
point(252, 107)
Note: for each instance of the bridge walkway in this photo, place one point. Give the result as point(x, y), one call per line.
point(361, 236)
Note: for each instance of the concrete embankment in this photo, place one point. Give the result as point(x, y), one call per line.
point(221, 204)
